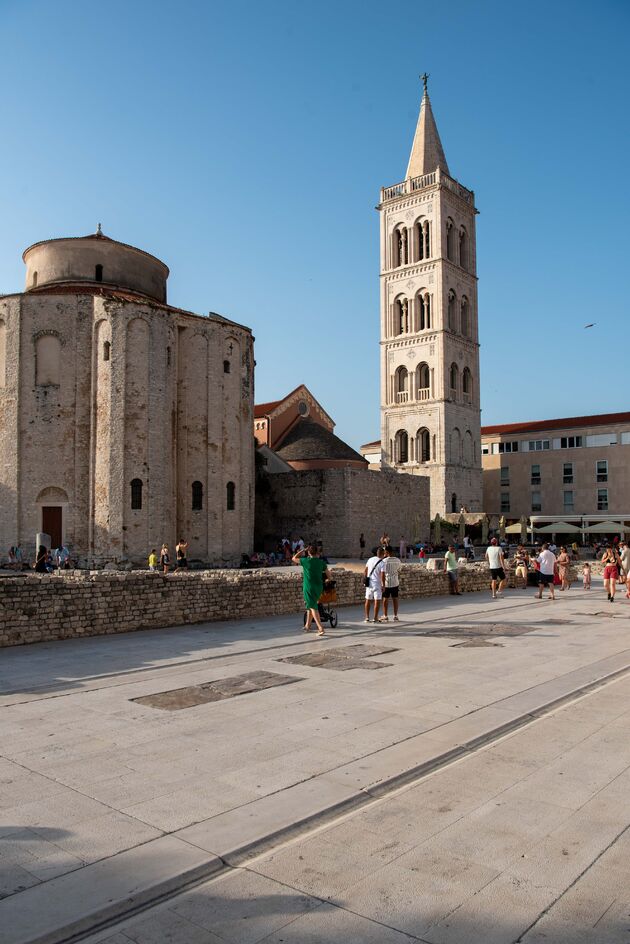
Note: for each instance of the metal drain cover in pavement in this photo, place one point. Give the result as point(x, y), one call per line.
point(218, 690)
point(343, 658)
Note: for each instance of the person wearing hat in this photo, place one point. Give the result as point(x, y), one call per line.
point(496, 562)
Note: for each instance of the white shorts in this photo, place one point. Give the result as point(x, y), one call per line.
point(373, 593)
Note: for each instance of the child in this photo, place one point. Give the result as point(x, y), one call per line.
point(586, 576)
point(153, 560)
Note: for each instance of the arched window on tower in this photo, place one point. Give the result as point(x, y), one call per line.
point(423, 448)
point(197, 496)
point(450, 240)
point(401, 385)
point(34, 285)
point(230, 494)
point(452, 320)
point(402, 316)
point(463, 248)
point(401, 246)
point(427, 239)
point(467, 385)
point(98, 273)
point(454, 503)
point(465, 317)
point(401, 447)
point(423, 382)
point(136, 494)
point(454, 378)
point(423, 308)
point(419, 241)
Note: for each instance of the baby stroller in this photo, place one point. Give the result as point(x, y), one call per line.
point(325, 604)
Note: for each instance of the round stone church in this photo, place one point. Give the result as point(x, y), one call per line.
point(124, 422)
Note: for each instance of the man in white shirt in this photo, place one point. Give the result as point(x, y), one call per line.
point(547, 561)
point(494, 556)
point(374, 574)
point(391, 567)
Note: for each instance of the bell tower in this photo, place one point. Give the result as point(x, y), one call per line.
point(430, 415)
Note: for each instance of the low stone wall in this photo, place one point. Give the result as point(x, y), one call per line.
point(36, 608)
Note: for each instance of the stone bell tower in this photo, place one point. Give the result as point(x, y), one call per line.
point(430, 416)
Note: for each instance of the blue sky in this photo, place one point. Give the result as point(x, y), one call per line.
point(244, 143)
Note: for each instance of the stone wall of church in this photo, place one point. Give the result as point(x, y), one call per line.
point(97, 392)
point(336, 505)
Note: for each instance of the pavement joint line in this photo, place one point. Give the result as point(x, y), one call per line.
point(59, 692)
point(115, 912)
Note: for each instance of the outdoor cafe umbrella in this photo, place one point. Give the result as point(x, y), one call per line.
point(513, 529)
point(558, 527)
point(606, 527)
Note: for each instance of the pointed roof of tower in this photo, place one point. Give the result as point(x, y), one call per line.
point(426, 152)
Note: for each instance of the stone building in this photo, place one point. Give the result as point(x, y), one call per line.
point(124, 422)
point(430, 415)
point(567, 468)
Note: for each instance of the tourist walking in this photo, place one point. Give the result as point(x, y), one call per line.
point(314, 571)
point(586, 576)
point(547, 564)
point(496, 563)
point(624, 558)
point(180, 554)
point(564, 564)
point(610, 560)
point(153, 560)
point(361, 546)
point(450, 568)
point(165, 559)
point(521, 562)
point(391, 567)
point(374, 578)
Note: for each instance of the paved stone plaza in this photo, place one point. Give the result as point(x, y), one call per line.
point(460, 777)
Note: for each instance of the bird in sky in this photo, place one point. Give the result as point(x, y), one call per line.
point(591, 325)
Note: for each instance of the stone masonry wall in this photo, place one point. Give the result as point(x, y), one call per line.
point(36, 608)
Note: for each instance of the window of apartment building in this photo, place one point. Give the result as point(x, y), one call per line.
point(567, 473)
point(508, 446)
point(537, 445)
point(536, 501)
point(570, 442)
point(602, 439)
point(505, 501)
point(567, 501)
point(602, 470)
point(602, 499)
point(535, 475)
point(505, 475)
point(485, 449)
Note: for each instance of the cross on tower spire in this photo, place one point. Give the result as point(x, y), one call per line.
point(425, 78)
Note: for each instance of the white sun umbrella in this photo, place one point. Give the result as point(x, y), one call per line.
point(558, 527)
point(606, 527)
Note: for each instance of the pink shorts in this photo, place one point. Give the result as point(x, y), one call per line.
point(610, 572)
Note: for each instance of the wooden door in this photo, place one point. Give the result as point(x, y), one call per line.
point(51, 523)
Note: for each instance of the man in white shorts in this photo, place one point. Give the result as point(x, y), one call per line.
point(494, 556)
point(374, 574)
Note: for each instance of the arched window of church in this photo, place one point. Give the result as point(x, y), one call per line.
point(230, 490)
point(424, 445)
point(401, 246)
point(423, 375)
point(3, 353)
point(467, 384)
point(419, 237)
point(454, 503)
point(401, 446)
point(401, 383)
point(48, 360)
point(450, 240)
point(427, 311)
point(401, 316)
point(226, 367)
point(34, 279)
point(107, 350)
point(463, 248)
point(468, 448)
point(427, 240)
point(98, 273)
point(452, 300)
point(454, 377)
point(465, 317)
point(422, 318)
point(136, 494)
point(197, 496)
point(456, 446)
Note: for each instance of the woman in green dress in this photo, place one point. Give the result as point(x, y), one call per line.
point(314, 570)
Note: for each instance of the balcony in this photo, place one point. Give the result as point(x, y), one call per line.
point(402, 396)
point(423, 393)
point(412, 184)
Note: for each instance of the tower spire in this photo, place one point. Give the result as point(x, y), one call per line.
point(426, 152)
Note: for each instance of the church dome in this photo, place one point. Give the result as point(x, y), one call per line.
point(95, 259)
point(310, 445)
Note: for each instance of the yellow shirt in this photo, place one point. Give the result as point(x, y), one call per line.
point(153, 560)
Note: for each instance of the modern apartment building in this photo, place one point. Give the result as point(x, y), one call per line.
point(561, 468)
